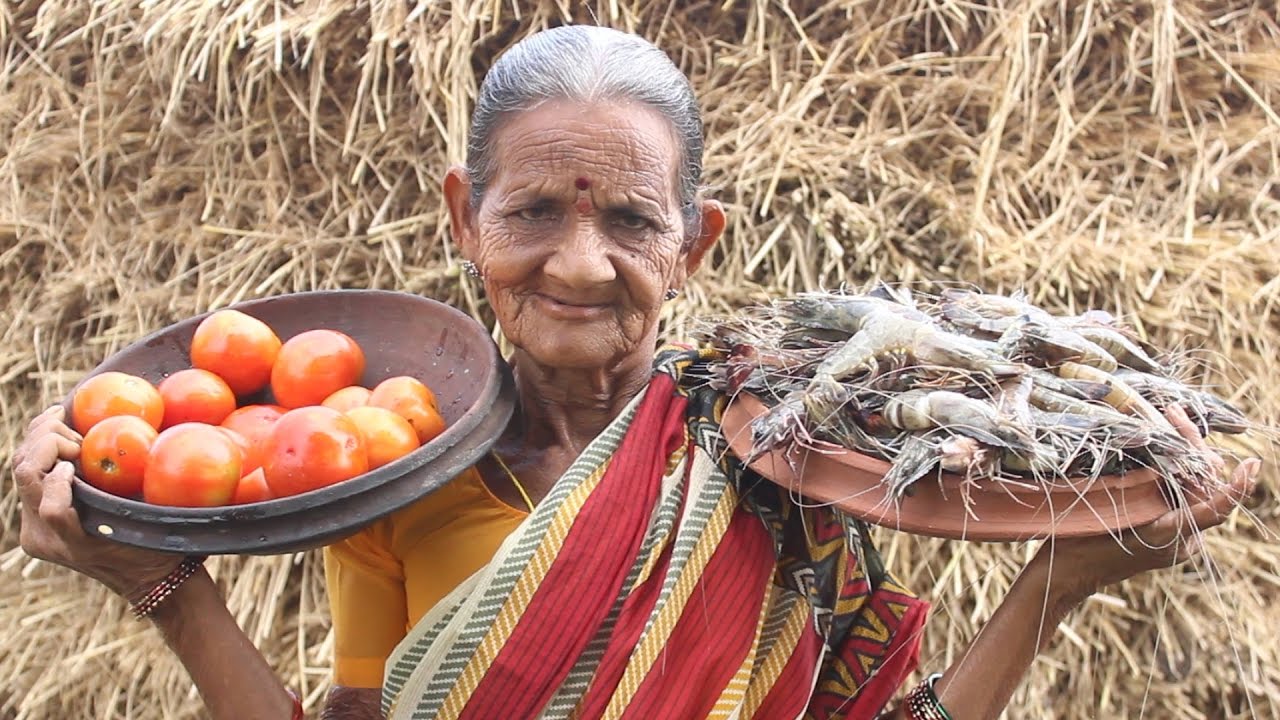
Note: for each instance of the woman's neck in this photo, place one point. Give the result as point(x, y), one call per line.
point(565, 409)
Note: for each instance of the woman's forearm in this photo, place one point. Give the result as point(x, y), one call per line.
point(980, 682)
point(233, 678)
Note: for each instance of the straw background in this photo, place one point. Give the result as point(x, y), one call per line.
point(161, 158)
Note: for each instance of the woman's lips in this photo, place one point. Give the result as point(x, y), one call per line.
point(570, 310)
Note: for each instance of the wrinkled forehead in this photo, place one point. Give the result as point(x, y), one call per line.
point(619, 149)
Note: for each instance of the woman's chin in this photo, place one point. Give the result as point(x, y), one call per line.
point(577, 348)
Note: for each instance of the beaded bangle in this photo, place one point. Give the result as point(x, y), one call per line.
point(297, 705)
point(922, 703)
point(163, 589)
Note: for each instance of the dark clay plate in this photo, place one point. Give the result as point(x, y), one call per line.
point(401, 334)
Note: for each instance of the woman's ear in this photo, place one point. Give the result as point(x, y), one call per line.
point(710, 229)
point(457, 197)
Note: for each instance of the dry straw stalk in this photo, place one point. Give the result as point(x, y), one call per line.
point(161, 158)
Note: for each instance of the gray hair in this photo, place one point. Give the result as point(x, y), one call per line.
point(589, 64)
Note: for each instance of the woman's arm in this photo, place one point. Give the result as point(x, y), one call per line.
point(231, 675)
point(233, 678)
point(979, 684)
point(1062, 576)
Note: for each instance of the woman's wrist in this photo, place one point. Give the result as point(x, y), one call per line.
point(140, 581)
point(161, 591)
point(1062, 586)
point(171, 615)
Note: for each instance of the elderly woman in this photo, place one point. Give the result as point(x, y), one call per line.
point(606, 559)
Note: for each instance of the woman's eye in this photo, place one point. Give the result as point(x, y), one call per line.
point(537, 213)
point(630, 221)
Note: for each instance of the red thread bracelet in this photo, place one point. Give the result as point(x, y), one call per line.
point(297, 705)
point(163, 589)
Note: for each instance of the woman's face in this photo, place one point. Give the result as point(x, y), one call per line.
point(579, 234)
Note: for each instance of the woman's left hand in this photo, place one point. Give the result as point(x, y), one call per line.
point(1078, 567)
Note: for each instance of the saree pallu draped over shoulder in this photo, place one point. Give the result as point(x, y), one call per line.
point(659, 579)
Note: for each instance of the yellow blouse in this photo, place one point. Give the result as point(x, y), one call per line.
point(382, 580)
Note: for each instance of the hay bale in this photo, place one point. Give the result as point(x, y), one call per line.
point(165, 158)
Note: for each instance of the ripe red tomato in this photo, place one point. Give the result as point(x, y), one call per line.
point(254, 423)
point(192, 465)
point(387, 436)
point(236, 347)
point(114, 454)
point(349, 397)
point(411, 400)
point(252, 488)
point(242, 444)
point(115, 393)
point(312, 447)
point(313, 365)
point(388, 391)
point(195, 395)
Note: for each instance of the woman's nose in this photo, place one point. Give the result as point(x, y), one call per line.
point(582, 259)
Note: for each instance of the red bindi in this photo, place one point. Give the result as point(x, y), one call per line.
point(582, 183)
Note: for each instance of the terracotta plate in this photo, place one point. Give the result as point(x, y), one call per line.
point(401, 334)
point(852, 482)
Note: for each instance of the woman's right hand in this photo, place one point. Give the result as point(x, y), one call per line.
point(199, 629)
point(43, 469)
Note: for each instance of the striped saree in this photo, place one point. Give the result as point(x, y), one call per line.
point(659, 579)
